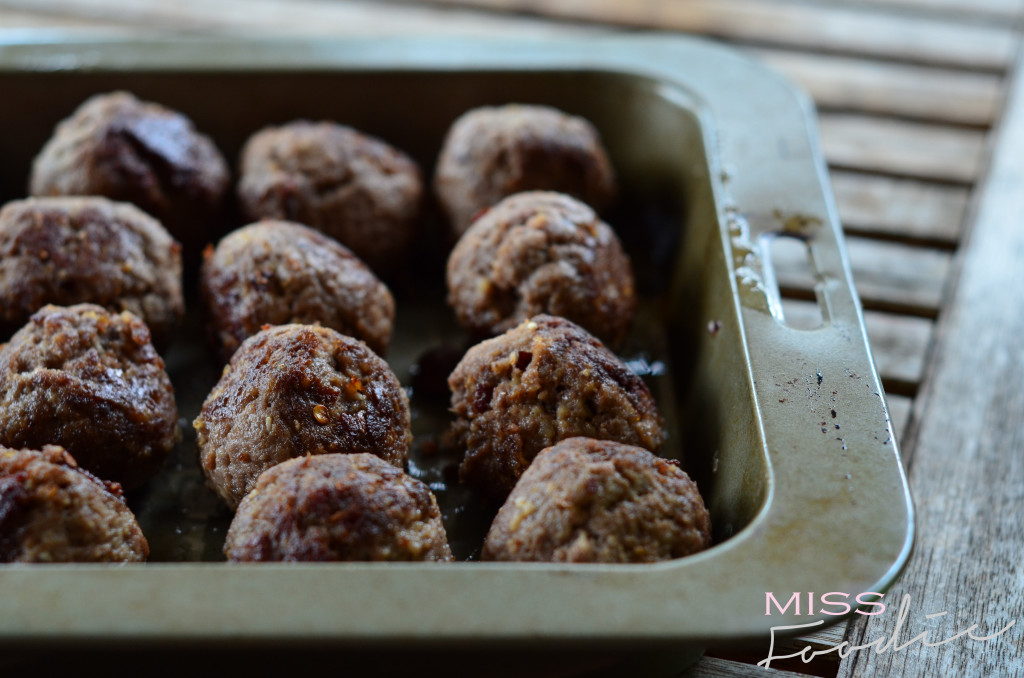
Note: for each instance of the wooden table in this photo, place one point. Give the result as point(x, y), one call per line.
point(922, 119)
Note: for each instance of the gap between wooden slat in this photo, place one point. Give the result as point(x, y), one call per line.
point(869, 86)
point(900, 208)
point(888, 276)
point(914, 39)
point(897, 147)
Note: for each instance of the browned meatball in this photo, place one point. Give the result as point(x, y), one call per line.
point(51, 511)
point(541, 382)
point(295, 390)
point(539, 252)
point(586, 500)
point(117, 146)
point(353, 187)
point(337, 507)
point(90, 381)
point(276, 272)
point(493, 152)
point(72, 250)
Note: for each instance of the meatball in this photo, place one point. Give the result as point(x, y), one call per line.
point(51, 511)
point(296, 390)
point(117, 146)
point(277, 272)
point(541, 382)
point(90, 381)
point(536, 253)
point(586, 500)
point(493, 152)
point(353, 187)
point(72, 250)
point(337, 507)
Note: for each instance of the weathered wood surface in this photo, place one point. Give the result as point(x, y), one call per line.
point(871, 86)
point(283, 18)
point(978, 11)
point(922, 37)
point(715, 667)
point(899, 209)
point(826, 27)
point(967, 465)
point(902, 148)
point(888, 275)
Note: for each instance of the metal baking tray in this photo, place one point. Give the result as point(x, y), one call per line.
point(786, 430)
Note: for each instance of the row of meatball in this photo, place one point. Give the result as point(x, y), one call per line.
point(534, 252)
point(554, 426)
point(74, 250)
point(353, 187)
point(91, 381)
point(582, 500)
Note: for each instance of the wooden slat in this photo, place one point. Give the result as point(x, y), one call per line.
point(899, 342)
point(888, 276)
point(294, 17)
point(793, 24)
point(14, 19)
point(826, 664)
point(714, 667)
point(870, 86)
point(981, 11)
point(965, 459)
point(902, 148)
point(16, 26)
point(899, 208)
point(892, 276)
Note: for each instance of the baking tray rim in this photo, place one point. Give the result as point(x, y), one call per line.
point(652, 57)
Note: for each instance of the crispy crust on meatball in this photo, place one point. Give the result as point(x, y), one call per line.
point(586, 500)
point(541, 252)
point(543, 381)
point(125, 149)
point(295, 390)
point(277, 272)
point(69, 251)
point(51, 511)
point(493, 152)
point(337, 507)
point(90, 381)
point(354, 187)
